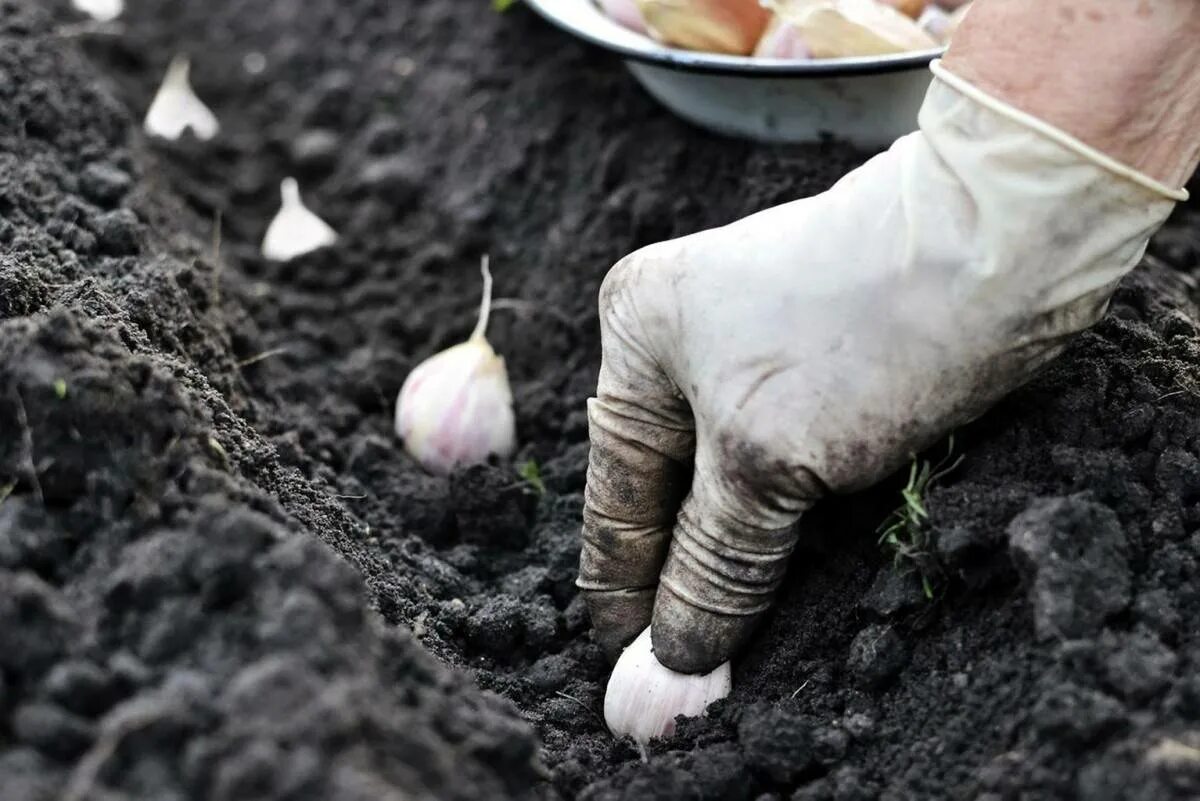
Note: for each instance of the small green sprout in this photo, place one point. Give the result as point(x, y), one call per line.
point(532, 475)
point(60, 388)
point(503, 5)
point(903, 532)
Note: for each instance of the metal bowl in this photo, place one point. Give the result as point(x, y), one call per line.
point(868, 101)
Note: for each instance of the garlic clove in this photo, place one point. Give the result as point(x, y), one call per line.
point(941, 23)
point(935, 21)
point(782, 40)
point(644, 698)
point(295, 230)
point(848, 28)
point(626, 13)
point(101, 10)
point(176, 107)
point(455, 408)
point(716, 26)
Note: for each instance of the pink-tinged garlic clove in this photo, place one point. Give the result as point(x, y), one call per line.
point(941, 23)
point(715, 26)
point(100, 10)
point(935, 21)
point(295, 230)
point(644, 698)
point(176, 108)
point(625, 12)
point(850, 28)
point(783, 41)
point(455, 408)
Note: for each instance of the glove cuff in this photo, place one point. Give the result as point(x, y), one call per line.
point(1055, 134)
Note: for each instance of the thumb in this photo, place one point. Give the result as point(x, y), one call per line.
point(729, 552)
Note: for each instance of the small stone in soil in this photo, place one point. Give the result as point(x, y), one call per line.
point(117, 232)
point(104, 184)
point(1072, 554)
point(877, 654)
point(893, 593)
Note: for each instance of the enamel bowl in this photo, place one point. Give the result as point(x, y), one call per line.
point(867, 101)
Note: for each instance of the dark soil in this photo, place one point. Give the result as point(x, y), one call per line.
point(222, 578)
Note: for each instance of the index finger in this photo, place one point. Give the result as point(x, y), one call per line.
point(642, 440)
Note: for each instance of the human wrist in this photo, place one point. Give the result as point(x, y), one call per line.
point(1122, 76)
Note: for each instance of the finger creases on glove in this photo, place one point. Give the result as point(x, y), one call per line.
point(715, 585)
point(637, 473)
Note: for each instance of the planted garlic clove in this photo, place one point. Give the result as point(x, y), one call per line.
point(176, 107)
point(782, 41)
point(644, 698)
point(848, 28)
point(295, 230)
point(716, 26)
point(625, 12)
point(455, 408)
point(101, 10)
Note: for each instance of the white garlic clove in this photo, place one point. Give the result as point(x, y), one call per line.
point(176, 108)
point(782, 40)
point(455, 408)
point(644, 698)
point(101, 10)
point(626, 13)
point(849, 28)
point(936, 22)
point(295, 230)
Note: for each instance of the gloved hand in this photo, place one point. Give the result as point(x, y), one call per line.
point(814, 347)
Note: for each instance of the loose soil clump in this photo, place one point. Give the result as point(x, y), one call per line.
point(222, 578)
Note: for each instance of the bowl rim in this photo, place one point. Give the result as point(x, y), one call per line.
point(583, 19)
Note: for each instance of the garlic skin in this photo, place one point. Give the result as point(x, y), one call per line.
point(783, 41)
point(295, 229)
point(848, 28)
point(455, 409)
point(176, 107)
point(626, 13)
point(644, 698)
point(100, 10)
point(715, 26)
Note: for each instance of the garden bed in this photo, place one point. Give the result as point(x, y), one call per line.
point(221, 577)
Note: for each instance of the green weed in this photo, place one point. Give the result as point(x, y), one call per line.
point(904, 532)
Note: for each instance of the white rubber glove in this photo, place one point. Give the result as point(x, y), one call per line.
point(814, 347)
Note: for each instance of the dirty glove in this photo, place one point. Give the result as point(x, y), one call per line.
point(814, 347)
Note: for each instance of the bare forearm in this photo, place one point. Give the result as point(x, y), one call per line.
point(1120, 75)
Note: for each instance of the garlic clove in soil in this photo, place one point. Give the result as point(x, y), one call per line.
point(455, 408)
point(101, 10)
point(644, 698)
point(626, 13)
point(295, 230)
point(176, 107)
point(846, 28)
point(715, 26)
